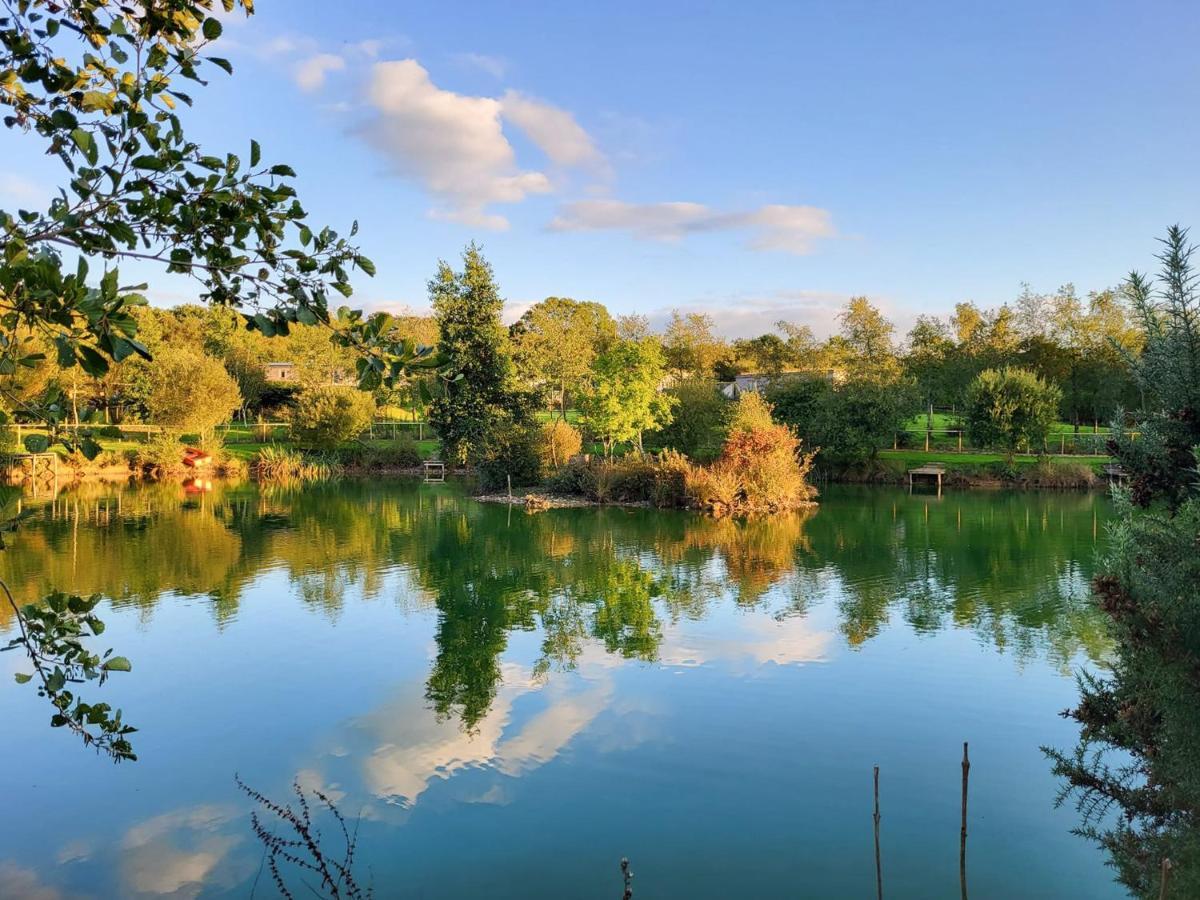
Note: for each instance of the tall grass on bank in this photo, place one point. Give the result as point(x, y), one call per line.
point(276, 463)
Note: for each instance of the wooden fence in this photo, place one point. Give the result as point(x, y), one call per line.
point(1063, 443)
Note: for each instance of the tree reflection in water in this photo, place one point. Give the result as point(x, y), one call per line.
point(1012, 568)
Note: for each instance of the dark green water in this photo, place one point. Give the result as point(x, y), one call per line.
point(510, 703)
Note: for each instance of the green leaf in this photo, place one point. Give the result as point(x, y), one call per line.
point(283, 170)
point(22, 678)
point(96, 100)
point(212, 28)
point(92, 361)
point(151, 163)
point(255, 153)
point(265, 325)
point(36, 443)
point(365, 264)
point(89, 448)
point(119, 663)
point(86, 144)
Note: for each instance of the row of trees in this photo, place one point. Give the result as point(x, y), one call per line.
point(849, 394)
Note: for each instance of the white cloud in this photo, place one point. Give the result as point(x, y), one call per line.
point(310, 73)
point(492, 65)
point(451, 143)
point(554, 130)
point(369, 47)
point(790, 229)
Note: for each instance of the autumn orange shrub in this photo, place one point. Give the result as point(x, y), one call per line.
point(559, 442)
point(762, 467)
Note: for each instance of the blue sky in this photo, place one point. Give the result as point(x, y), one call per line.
point(754, 160)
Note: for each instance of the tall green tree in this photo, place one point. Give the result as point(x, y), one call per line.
point(691, 344)
point(483, 398)
point(868, 349)
point(556, 341)
point(625, 398)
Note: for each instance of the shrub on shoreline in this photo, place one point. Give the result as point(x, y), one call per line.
point(559, 442)
point(761, 469)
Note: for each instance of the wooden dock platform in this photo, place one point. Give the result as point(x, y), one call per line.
point(929, 470)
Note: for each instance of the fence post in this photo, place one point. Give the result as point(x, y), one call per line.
point(927, 433)
point(960, 441)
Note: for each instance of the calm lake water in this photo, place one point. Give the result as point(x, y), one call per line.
point(509, 703)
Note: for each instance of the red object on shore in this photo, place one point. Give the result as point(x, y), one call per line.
point(195, 459)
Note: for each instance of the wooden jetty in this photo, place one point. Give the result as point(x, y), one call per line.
point(929, 470)
point(1114, 472)
point(435, 471)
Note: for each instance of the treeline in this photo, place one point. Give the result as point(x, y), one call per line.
point(631, 387)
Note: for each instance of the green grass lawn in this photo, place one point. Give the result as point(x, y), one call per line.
point(947, 422)
point(247, 450)
point(920, 457)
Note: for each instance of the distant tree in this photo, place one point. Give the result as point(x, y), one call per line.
point(327, 415)
point(867, 335)
point(624, 398)
point(699, 420)
point(188, 390)
point(633, 327)
point(802, 345)
point(1010, 408)
point(420, 330)
point(556, 341)
point(768, 354)
point(691, 344)
point(930, 349)
point(482, 399)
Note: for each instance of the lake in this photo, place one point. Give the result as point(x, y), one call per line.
point(505, 704)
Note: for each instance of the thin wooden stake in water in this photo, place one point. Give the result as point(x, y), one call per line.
point(962, 842)
point(1166, 878)
point(628, 876)
point(878, 861)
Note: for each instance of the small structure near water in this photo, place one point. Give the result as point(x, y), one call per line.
point(929, 470)
point(435, 471)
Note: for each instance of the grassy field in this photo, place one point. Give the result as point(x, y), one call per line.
point(920, 457)
point(947, 422)
point(247, 449)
